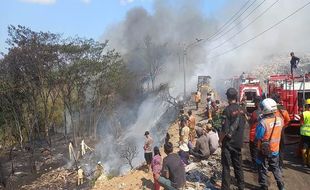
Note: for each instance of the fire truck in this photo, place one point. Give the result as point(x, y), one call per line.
point(293, 91)
point(249, 87)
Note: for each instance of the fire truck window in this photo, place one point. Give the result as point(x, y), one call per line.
point(300, 98)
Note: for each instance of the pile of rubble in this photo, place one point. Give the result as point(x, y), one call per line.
point(280, 64)
point(206, 174)
point(59, 178)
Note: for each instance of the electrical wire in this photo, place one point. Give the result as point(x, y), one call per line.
point(226, 32)
point(228, 22)
point(263, 32)
point(246, 26)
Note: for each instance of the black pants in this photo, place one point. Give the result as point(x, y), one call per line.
point(253, 152)
point(231, 156)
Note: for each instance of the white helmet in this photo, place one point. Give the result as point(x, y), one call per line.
point(268, 106)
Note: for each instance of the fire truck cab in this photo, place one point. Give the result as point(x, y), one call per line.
point(249, 87)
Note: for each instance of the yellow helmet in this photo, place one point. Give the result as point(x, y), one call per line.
point(307, 101)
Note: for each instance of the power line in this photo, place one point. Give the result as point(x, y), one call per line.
point(246, 26)
point(228, 22)
point(241, 20)
point(261, 33)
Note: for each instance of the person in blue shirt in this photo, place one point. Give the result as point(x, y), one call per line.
point(268, 135)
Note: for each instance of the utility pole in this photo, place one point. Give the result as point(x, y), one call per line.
point(185, 51)
point(184, 72)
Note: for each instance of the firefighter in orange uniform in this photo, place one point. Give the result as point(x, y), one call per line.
point(268, 134)
point(253, 123)
point(281, 112)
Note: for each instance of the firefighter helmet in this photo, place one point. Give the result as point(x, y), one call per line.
point(269, 106)
point(307, 101)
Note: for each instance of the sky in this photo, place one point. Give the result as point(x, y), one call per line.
point(84, 18)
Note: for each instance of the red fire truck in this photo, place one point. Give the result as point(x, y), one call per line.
point(249, 87)
point(293, 91)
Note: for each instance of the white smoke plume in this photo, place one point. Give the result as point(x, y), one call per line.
point(173, 26)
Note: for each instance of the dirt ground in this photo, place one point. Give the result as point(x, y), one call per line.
point(52, 170)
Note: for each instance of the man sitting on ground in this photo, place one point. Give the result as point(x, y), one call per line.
point(173, 171)
point(213, 138)
point(201, 150)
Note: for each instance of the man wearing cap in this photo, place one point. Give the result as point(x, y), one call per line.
point(173, 172)
point(148, 146)
point(305, 134)
point(231, 137)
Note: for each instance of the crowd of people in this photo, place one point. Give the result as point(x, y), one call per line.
point(199, 140)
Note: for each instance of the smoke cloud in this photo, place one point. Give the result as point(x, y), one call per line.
point(171, 28)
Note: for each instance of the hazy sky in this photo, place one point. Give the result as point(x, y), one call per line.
point(85, 18)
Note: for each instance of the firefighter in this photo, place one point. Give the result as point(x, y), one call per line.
point(268, 134)
point(281, 112)
point(231, 137)
point(294, 62)
point(305, 134)
point(80, 176)
point(253, 121)
point(99, 170)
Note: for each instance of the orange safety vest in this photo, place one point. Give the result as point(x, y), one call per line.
point(254, 119)
point(268, 124)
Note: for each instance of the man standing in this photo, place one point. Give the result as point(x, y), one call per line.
point(253, 123)
point(268, 134)
point(281, 112)
point(184, 135)
point(173, 172)
point(191, 124)
point(183, 121)
point(305, 134)
point(294, 62)
point(80, 175)
point(148, 147)
point(197, 99)
point(231, 137)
